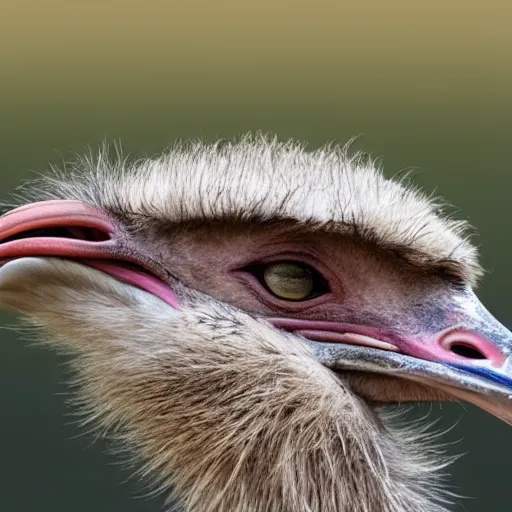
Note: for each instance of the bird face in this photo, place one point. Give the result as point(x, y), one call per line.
point(386, 310)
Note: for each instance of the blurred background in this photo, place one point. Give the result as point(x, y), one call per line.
point(425, 85)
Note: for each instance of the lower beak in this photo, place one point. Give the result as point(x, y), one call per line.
point(71, 229)
point(490, 390)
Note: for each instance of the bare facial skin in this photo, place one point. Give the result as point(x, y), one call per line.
point(361, 279)
point(223, 260)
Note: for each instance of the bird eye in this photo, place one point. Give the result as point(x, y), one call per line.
point(289, 280)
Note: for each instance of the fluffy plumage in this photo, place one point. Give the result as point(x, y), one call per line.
point(262, 179)
point(243, 420)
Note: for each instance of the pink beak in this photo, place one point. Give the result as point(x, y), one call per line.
point(86, 235)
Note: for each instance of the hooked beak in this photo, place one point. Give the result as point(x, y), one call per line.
point(464, 351)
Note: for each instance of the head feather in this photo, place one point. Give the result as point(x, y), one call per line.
point(262, 179)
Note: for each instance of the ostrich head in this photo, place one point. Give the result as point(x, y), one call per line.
point(237, 313)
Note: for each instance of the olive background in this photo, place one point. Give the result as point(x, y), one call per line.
point(423, 85)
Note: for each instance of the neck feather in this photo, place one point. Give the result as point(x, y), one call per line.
point(223, 410)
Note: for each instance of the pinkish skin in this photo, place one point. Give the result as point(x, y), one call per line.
point(432, 347)
point(104, 252)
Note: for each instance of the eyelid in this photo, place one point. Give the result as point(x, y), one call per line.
point(299, 252)
point(256, 271)
point(296, 257)
point(304, 256)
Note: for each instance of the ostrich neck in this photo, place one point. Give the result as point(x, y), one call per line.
point(222, 409)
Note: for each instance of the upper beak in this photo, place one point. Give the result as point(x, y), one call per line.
point(462, 350)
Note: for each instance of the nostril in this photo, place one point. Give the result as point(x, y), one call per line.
point(465, 350)
point(470, 345)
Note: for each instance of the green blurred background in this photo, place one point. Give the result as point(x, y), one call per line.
point(426, 85)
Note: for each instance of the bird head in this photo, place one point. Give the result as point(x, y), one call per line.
point(248, 304)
